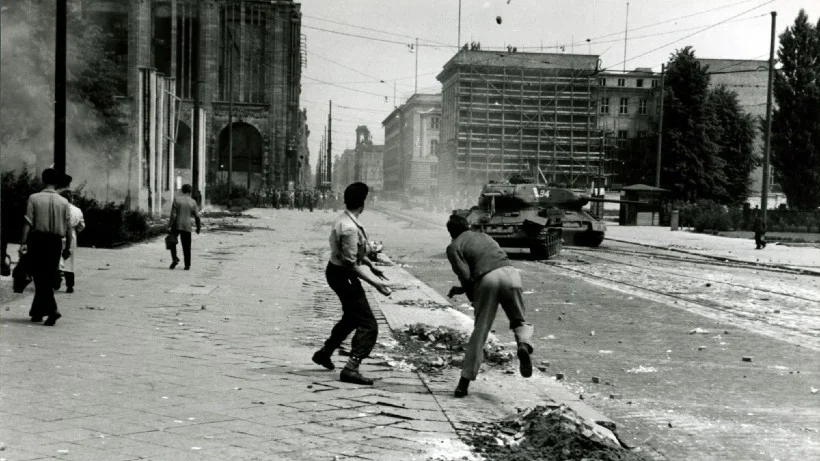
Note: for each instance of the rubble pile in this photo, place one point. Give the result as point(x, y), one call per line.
point(423, 303)
point(546, 432)
point(432, 349)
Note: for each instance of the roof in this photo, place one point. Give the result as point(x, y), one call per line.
point(520, 60)
point(644, 188)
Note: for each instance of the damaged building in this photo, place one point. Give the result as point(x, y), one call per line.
point(245, 56)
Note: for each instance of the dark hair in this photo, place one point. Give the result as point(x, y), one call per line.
point(63, 181)
point(50, 177)
point(355, 195)
point(186, 188)
point(457, 225)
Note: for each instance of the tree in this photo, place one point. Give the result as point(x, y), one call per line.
point(736, 143)
point(692, 167)
point(795, 140)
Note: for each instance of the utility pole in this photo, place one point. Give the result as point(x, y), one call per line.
point(59, 87)
point(626, 31)
point(458, 45)
point(329, 142)
point(230, 119)
point(417, 66)
point(764, 195)
point(660, 133)
point(197, 125)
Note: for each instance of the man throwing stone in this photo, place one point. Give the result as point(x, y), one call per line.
point(348, 255)
point(487, 278)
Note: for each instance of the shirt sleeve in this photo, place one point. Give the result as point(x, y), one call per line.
point(30, 212)
point(459, 265)
point(349, 245)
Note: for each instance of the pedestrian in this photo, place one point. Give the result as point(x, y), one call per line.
point(759, 228)
point(487, 278)
point(75, 226)
point(46, 223)
point(179, 225)
point(310, 200)
point(348, 255)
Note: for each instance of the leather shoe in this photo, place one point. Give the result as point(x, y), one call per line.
point(460, 392)
point(524, 361)
point(320, 358)
point(52, 320)
point(354, 377)
point(174, 263)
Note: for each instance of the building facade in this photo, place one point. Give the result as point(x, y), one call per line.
point(364, 163)
point(411, 138)
point(245, 58)
point(628, 106)
point(507, 113)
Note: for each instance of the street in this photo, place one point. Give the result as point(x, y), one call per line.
point(626, 315)
point(214, 363)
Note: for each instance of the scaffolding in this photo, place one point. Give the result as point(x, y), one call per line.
point(519, 115)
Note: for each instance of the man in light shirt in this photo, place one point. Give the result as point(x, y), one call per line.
point(348, 255)
point(47, 221)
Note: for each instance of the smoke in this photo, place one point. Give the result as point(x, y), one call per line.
point(27, 94)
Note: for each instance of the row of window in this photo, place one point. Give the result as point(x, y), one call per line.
point(623, 106)
point(639, 83)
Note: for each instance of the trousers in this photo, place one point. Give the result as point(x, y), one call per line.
point(356, 313)
point(501, 286)
point(185, 239)
point(44, 261)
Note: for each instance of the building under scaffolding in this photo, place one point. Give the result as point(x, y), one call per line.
point(506, 113)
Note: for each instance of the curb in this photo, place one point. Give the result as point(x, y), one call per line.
point(534, 390)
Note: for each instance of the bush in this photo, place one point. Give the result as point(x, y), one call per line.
point(707, 215)
point(106, 224)
point(239, 199)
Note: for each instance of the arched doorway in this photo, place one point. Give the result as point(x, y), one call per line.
point(183, 156)
point(246, 147)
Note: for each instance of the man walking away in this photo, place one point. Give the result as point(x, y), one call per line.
point(348, 253)
point(488, 278)
point(75, 226)
point(760, 231)
point(46, 223)
point(179, 224)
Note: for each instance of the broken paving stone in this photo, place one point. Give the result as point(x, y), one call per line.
point(747, 359)
point(542, 368)
point(596, 379)
point(698, 331)
point(559, 376)
point(614, 396)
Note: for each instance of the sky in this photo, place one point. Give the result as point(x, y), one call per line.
point(358, 51)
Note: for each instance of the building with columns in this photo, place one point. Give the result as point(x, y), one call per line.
point(246, 55)
point(411, 138)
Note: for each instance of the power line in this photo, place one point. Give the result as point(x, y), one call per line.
point(692, 34)
point(376, 30)
point(344, 87)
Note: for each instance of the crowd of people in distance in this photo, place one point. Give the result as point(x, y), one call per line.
point(301, 199)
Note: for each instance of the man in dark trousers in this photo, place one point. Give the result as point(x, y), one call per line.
point(348, 255)
point(46, 224)
point(760, 230)
point(487, 278)
point(179, 224)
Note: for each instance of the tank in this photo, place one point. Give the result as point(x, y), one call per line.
point(535, 216)
point(513, 216)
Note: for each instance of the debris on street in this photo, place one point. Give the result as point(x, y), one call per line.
point(432, 349)
point(423, 303)
point(546, 432)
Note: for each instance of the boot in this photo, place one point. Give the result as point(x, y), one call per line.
point(461, 389)
point(350, 373)
point(321, 357)
point(523, 334)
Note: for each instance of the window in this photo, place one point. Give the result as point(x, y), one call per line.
point(601, 82)
point(642, 107)
point(642, 134)
point(433, 171)
point(604, 105)
point(622, 138)
point(621, 82)
point(639, 83)
point(433, 147)
point(435, 122)
point(655, 83)
point(624, 106)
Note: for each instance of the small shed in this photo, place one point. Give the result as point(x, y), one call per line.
point(645, 213)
